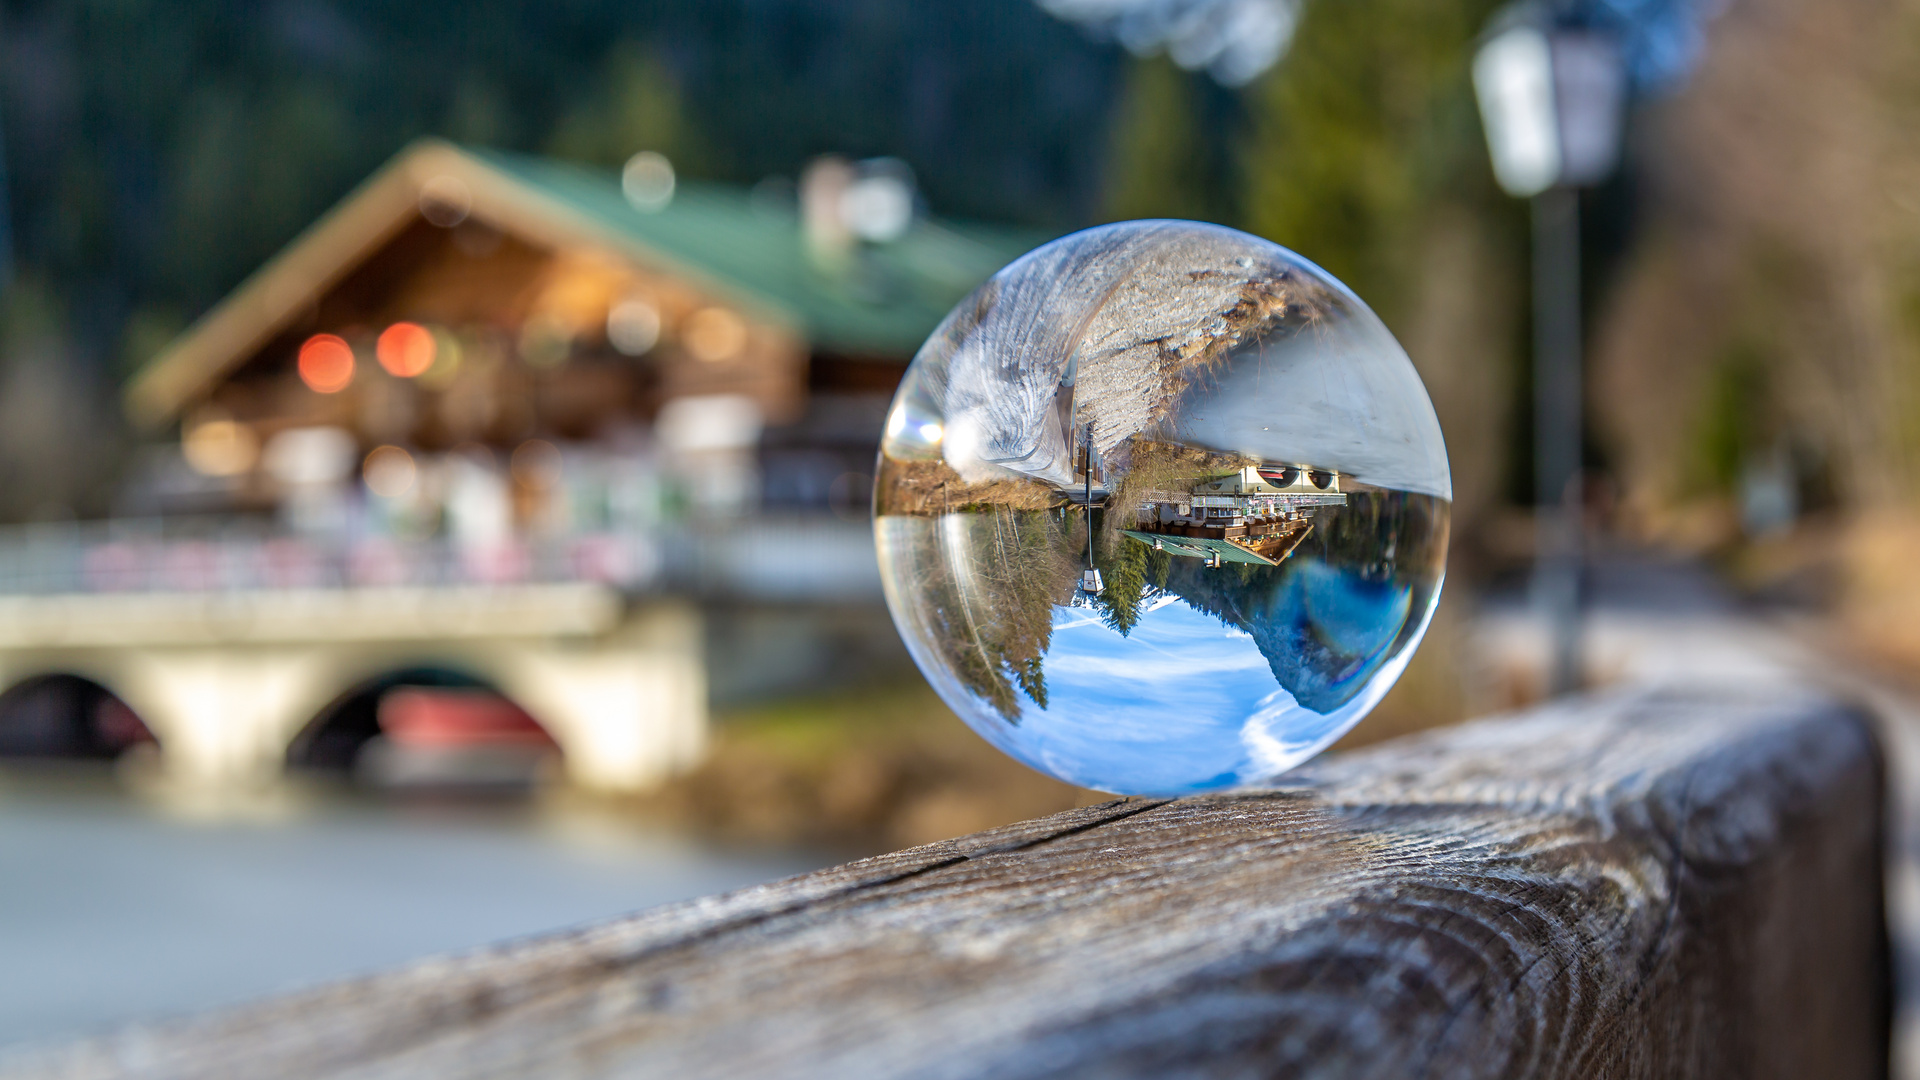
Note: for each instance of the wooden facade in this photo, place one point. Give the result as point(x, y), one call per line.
point(518, 274)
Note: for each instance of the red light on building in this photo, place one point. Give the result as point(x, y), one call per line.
point(405, 349)
point(326, 364)
point(421, 716)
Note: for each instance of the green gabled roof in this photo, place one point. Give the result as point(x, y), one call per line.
point(1196, 547)
point(886, 304)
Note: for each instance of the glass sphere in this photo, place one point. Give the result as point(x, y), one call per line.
point(1162, 508)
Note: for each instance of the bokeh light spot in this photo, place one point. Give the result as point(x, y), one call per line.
point(647, 181)
point(326, 363)
point(445, 201)
point(715, 334)
point(389, 472)
point(220, 448)
point(633, 327)
point(406, 349)
point(536, 464)
point(545, 341)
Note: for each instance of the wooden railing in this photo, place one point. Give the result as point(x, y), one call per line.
point(1649, 884)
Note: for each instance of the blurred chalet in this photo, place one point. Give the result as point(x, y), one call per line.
point(488, 367)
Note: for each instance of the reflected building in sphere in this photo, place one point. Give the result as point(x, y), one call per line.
point(1259, 514)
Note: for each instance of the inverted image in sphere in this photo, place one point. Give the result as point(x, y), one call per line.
point(1162, 508)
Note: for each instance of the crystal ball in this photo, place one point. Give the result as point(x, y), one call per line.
point(1162, 508)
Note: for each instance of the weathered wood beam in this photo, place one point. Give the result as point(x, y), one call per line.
point(1640, 885)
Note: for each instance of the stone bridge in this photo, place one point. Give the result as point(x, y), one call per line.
point(226, 681)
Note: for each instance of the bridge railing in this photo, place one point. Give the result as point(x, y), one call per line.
point(795, 556)
point(1647, 884)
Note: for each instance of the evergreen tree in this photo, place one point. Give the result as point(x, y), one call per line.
point(636, 106)
point(991, 616)
point(1124, 572)
point(1156, 164)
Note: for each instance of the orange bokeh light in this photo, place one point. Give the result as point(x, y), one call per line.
point(326, 363)
point(405, 349)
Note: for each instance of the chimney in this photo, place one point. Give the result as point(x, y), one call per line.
point(822, 186)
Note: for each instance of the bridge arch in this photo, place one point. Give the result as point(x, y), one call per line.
point(425, 725)
point(64, 714)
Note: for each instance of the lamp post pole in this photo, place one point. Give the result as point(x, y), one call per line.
point(6, 205)
point(1556, 430)
point(1551, 99)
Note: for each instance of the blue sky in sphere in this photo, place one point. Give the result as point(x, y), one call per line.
point(1159, 711)
point(1184, 704)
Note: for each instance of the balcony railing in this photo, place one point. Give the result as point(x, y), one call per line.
point(782, 557)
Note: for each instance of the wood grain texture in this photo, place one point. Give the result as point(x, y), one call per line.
point(1643, 885)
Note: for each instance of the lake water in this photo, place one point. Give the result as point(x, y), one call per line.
point(113, 909)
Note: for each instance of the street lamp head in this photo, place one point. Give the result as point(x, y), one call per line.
point(1551, 99)
point(1513, 77)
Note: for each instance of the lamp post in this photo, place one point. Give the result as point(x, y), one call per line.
point(6, 206)
point(1551, 100)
